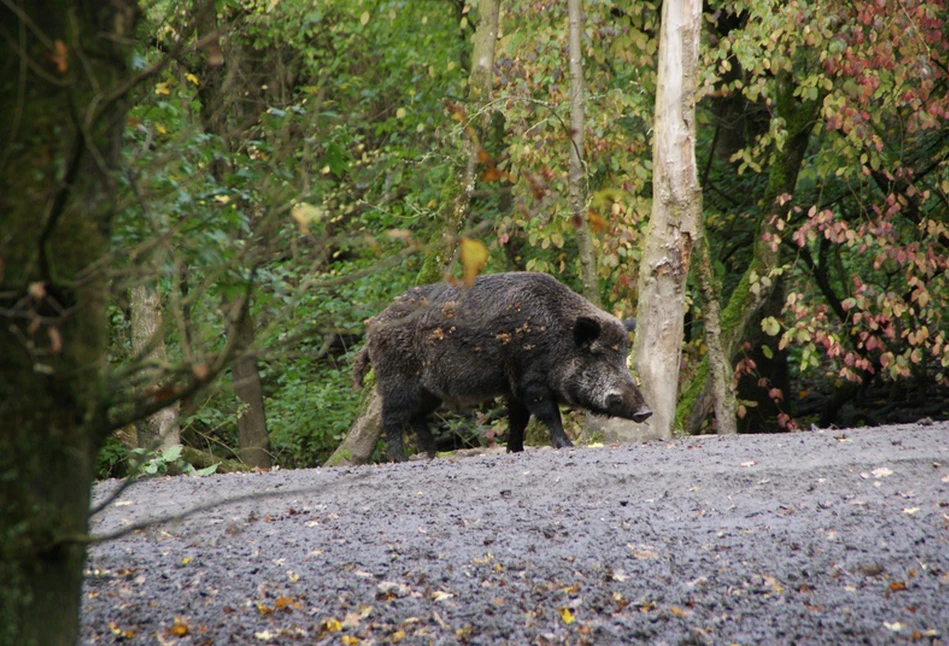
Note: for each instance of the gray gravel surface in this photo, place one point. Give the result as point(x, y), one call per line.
point(823, 537)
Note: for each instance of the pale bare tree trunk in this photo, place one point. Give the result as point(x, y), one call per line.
point(160, 431)
point(674, 223)
point(578, 193)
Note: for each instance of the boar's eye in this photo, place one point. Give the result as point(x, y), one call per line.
point(585, 332)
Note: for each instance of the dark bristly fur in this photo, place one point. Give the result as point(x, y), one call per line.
point(522, 336)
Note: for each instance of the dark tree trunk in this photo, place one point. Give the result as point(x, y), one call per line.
point(252, 424)
point(756, 285)
point(59, 149)
point(252, 434)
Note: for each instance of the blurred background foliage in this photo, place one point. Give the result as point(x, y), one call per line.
point(298, 156)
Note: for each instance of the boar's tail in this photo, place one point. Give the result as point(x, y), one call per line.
point(360, 366)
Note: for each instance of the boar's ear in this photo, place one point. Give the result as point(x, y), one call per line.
point(629, 324)
point(585, 331)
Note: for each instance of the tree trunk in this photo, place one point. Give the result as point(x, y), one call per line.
point(756, 284)
point(252, 434)
point(578, 193)
point(674, 222)
point(720, 365)
point(456, 192)
point(160, 431)
point(363, 437)
point(59, 150)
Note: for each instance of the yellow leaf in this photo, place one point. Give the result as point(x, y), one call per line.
point(332, 625)
point(191, 77)
point(162, 88)
point(474, 256)
point(349, 640)
point(180, 627)
point(162, 130)
point(186, 560)
point(364, 18)
point(304, 214)
point(400, 113)
point(566, 615)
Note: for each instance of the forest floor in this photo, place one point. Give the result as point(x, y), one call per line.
point(820, 537)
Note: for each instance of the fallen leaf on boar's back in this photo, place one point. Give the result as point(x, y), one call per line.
point(474, 256)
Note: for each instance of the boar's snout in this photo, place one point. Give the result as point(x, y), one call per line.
point(628, 405)
point(642, 415)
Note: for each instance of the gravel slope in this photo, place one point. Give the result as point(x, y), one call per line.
point(823, 537)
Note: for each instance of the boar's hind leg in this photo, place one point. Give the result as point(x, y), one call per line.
point(517, 418)
point(425, 440)
point(408, 413)
point(543, 405)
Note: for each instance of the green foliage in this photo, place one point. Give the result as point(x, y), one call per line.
point(112, 460)
point(309, 417)
point(335, 153)
point(149, 463)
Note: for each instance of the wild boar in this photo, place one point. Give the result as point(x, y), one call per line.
point(521, 336)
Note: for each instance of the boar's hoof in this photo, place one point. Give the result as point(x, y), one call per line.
point(396, 456)
point(562, 442)
point(642, 415)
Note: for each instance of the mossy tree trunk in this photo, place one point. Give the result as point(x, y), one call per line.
point(160, 430)
point(719, 363)
point(674, 222)
point(757, 283)
point(62, 67)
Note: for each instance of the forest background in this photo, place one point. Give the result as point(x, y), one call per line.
point(193, 190)
point(289, 167)
point(287, 177)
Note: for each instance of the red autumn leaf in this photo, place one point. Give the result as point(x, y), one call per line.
point(60, 56)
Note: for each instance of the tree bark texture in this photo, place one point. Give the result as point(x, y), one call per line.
point(363, 436)
point(674, 221)
point(252, 435)
point(159, 431)
point(62, 64)
point(252, 424)
point(577, 179)
point(752, 292)
point(720, 365)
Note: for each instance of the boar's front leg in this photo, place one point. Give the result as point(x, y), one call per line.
point(542, 404)
point(517, 418)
